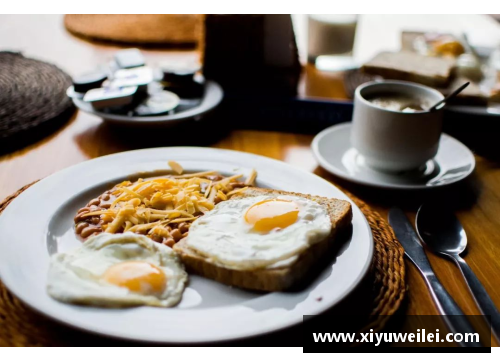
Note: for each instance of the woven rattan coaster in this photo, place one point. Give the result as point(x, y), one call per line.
point(19, 326)
point(160, 29)
point(33, 99)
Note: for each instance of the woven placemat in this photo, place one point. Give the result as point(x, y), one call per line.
point(157, 29)
point(19, 326)
point(32, 98)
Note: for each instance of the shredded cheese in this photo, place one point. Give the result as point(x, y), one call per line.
point(175, 167)
point(251, 178)
point(148, 206)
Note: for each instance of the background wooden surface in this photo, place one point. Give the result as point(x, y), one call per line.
point(477, 201)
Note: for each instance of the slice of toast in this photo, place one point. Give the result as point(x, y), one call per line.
point(271, 279)
point(472, 95)
point(431, 71)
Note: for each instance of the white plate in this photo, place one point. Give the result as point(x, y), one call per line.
point(333, 151)
point(39, 222)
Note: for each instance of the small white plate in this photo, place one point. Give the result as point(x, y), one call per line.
point(39, 222)
point(333, 151)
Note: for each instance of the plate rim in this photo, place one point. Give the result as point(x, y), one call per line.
point(335, 171)
point(288, 323)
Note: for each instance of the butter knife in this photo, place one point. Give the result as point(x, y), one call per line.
point(415, 252)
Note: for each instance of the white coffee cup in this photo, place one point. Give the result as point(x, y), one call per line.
point(394, 141)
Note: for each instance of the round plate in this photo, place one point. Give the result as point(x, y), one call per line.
point(333, 151)
point(209, 311)
point(187, 110)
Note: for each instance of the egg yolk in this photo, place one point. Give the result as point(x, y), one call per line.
point(271, 214)
point(137, 276)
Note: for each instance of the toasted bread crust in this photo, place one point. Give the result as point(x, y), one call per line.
point(275, 279)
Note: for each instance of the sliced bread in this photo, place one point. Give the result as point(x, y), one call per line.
point(431, 71)
point(271, 279)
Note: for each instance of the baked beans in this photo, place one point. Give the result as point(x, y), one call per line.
point(86, 226)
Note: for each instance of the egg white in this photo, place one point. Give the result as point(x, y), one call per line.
point(75, 277)
point(226, 239)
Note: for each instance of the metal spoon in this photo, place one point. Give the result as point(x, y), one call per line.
point(449, 96)
point(442, 232)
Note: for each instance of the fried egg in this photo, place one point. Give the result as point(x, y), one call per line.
point(259, 232)
point(117, 270)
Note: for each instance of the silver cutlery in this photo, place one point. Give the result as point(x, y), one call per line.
point(442, 233)
point(415, 252)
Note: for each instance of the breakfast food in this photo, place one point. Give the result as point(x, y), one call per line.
point(495, 94)
point(161, 208)
point(117, 271)
point(220, 226)
point(426, 57)
point(446, 46)
point(400, 102)
point(432, 44)
point(263, 239)
point(472, 95)
point(432, 71)
point(469, 67)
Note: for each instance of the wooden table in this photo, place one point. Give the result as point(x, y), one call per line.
point(477, 200)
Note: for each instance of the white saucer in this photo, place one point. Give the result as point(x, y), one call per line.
point(332, 149)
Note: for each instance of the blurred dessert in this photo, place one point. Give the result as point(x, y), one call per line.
point(494, 96)
point(432, 44)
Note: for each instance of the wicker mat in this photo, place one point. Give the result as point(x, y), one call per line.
point(19, 326)
point(33, 99)
point(176, 30)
